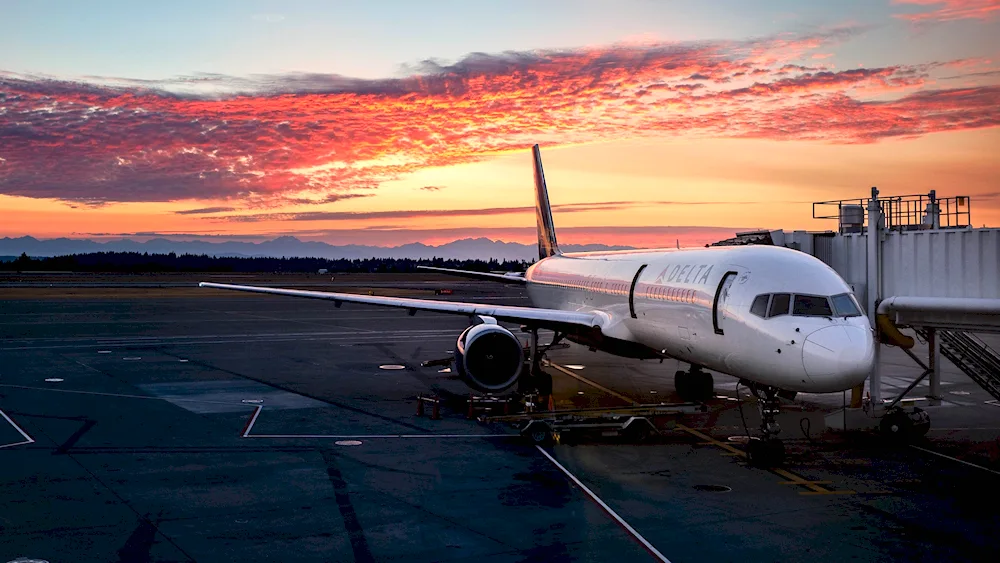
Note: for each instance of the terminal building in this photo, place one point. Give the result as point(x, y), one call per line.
point(924, 275)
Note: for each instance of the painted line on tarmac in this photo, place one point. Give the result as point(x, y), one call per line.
point(791, 478)
point(357, 340)
point(656, 553)
point(27, 439)
point(377, 436)
point(121, 395)
point(962, 461)
point(88, 342)
point(594, 384)
point(259, 408)
point(253, 420)
point(113, 339)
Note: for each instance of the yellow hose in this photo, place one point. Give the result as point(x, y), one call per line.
point(889, 332)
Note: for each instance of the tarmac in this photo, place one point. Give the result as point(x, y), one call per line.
point(163, 425)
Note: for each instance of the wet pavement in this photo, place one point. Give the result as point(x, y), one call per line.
point(220, 428)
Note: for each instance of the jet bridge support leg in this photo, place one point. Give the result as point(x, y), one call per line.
point(934, 355)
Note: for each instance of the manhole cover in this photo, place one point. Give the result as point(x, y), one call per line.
point(53, 379)
point(713, 488)
point(391, 366)
point(959, 392)
point(348, 442)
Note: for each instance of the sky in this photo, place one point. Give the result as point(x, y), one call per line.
point(394, 122)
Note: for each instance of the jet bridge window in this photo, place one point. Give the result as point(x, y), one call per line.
point(845, 305)
point(779, 304)
point(759, 306)
point(811, 306)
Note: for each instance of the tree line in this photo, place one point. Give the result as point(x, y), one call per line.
point(136, 262)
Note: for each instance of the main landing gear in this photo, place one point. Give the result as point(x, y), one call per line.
point(766, 450)
point(694, 386)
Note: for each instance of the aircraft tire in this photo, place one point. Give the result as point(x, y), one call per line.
point(896, 426)
point(703, 387)
point(694, 387)
point(682, 382)
point(638, 432)
point(538, 433)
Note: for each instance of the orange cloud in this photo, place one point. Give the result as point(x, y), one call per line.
point(950, 10)
point(310, 138)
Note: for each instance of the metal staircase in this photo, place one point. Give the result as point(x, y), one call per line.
point(971, 355)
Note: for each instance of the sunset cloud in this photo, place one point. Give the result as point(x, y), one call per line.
point(422, 213)
point(205, 210)
point(950, 10)
point(274, 138)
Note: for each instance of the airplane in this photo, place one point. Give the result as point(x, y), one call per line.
point(780, 320)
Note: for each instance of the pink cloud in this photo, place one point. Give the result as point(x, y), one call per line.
point(268, 140)
point(950, 10)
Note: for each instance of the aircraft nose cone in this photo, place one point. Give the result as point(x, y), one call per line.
point(838, 357)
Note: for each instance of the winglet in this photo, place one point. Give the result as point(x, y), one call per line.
point(547, 245)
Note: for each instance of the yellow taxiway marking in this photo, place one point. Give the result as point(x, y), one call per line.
point(792, 478)
point(589, 382)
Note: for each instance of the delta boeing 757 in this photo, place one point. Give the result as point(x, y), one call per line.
point(778, 319)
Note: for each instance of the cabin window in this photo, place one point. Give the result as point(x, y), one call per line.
point(845, 305)
point(759, 306)
point(779, 304)
point(811, 306)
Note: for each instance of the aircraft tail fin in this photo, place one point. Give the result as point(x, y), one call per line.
point(547, 245)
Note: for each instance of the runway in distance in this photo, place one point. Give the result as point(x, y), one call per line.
point(778, 319)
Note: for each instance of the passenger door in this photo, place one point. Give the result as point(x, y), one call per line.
point(722, 298)
point(631, 291)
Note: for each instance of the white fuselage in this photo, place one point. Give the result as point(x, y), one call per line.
point(695, 305)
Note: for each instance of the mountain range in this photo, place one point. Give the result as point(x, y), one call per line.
point(288, 246)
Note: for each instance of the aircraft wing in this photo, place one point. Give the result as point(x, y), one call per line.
point(512, 277)
point(535, 317)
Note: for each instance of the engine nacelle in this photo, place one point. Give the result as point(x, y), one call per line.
point(489, 357)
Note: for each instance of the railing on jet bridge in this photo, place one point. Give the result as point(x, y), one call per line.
point(901, 213)
point(971, 355)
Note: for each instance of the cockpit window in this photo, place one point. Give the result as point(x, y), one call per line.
point(811, 306)
point(759, 306)
point(779, 304)
point(845, 306)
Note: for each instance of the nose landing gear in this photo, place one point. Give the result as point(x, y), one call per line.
point(767, 450)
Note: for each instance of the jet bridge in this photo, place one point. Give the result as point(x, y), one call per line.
point(912, 261)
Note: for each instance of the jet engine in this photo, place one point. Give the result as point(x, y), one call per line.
point(489, 357)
